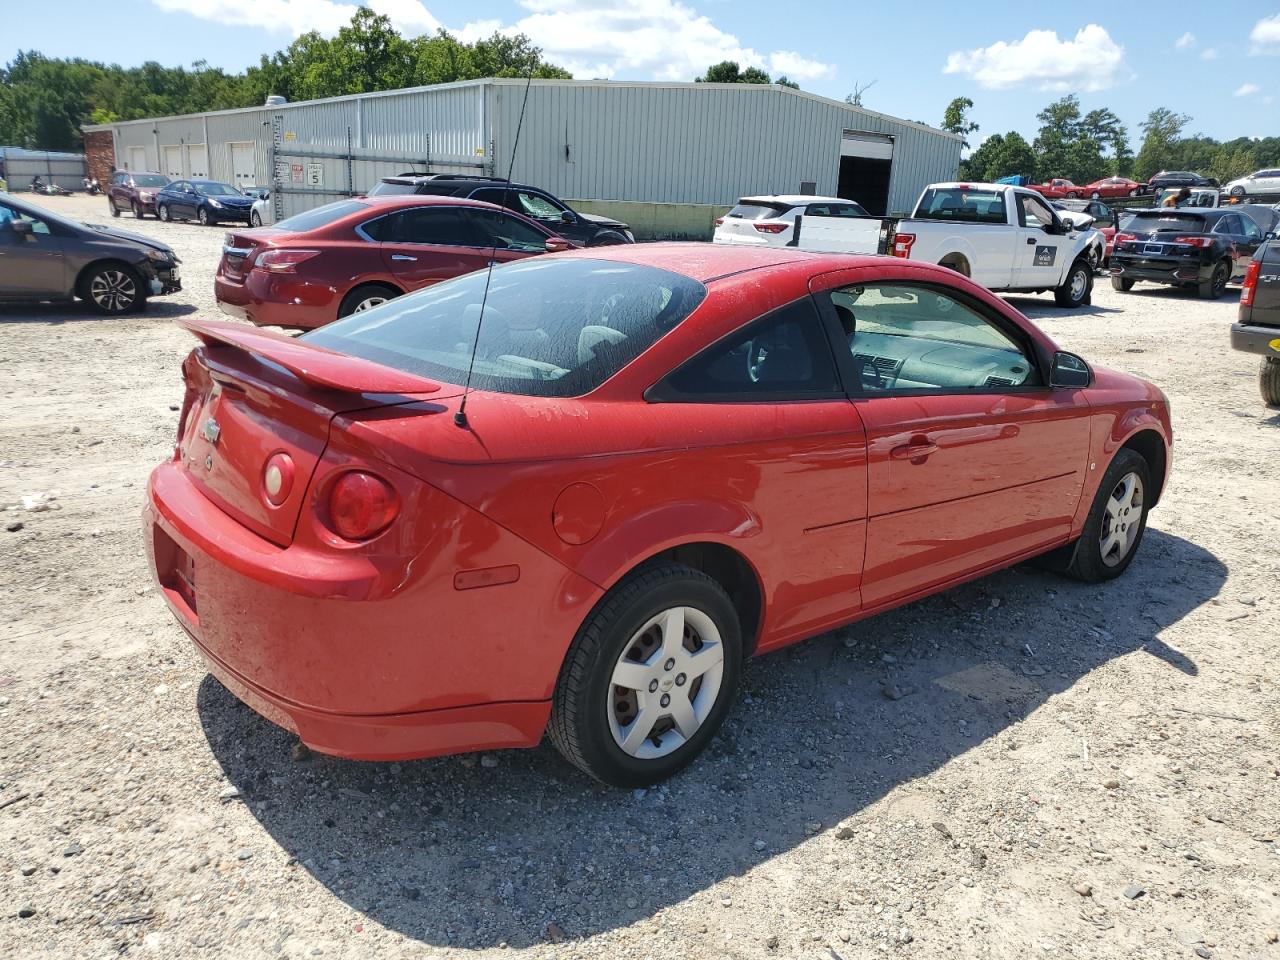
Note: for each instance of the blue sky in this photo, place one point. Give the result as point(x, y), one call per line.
point(1221, 66)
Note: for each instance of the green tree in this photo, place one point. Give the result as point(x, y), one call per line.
point(1160, 133)
point(785, 81)
point(1105, 128)
point(956, 120)
point(1000, 155)
point(728, 71)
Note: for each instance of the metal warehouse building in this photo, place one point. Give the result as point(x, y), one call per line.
point(665, 157)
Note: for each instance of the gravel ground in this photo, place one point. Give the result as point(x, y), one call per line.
point(1022, 767)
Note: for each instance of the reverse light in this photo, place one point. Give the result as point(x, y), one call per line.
point(1250, 283)
point(361, 505)
point(277, 479)
point(771, 227)
point(902, 245)
point(283, 261)
point(1194, 241)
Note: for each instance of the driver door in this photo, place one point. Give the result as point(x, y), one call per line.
point(1040, 253)
point(508, 237)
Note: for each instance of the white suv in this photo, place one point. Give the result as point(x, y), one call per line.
point(771, 221)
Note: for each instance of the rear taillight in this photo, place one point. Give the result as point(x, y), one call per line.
point(719, 221)
point(283, 261)
point(1125, 237)
point(771, 227)
point(902, 244)
point(361, 505)
point(1194, 241)
point(1250, 283)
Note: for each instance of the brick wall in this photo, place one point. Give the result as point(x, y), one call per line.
point(100, 155)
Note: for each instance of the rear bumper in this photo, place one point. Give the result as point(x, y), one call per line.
point(273, 300)
point(1173, 271)
point(1248, 338)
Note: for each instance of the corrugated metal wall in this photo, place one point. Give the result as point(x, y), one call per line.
point(665, 143)
point(67, 170)
point(698, 143)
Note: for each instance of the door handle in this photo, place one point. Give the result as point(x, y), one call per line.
point(402, 256)
point(1031, 241)
point(913, 451)
point(493, 263)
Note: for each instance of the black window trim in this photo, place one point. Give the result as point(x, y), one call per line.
point(360, 231)
point(661, 392)
point(849, 371)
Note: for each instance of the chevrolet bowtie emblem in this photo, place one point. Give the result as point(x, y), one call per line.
point(211, 431)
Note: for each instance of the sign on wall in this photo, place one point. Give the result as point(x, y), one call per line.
point(315, 174)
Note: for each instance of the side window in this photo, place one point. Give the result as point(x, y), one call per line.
point(818, 210)
point(539, 207)
point(1033, 212)
point(496, 229)
point(909, 338)
point(9, 214)
point(781, 356)
point(1229, 224)
point(1249, 228)
point(445, 226)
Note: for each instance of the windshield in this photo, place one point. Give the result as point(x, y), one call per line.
point(320, 216)
point(962, 203)
point(1166, 223)
point(149, 180)
point(216, 190)
point(552, 328)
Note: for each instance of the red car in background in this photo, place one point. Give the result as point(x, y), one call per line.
point(1057, 189)
point(672, 457)
point(349, 256)
point(1109, 188)
point(135, 192)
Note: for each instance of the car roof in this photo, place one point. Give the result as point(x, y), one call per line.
point(795, 199)
point(706, 262)
point(426, 200)
point(221, 183)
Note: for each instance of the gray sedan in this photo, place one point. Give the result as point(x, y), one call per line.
point(46, 257)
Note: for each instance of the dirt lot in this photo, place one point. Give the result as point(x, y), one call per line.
point(1073, 771)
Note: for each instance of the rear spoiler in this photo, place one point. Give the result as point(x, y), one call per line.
point(316, 366)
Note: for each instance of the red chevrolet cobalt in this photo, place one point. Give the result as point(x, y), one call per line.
point(672, 457)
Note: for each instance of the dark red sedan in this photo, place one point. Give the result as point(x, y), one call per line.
point(671, 457)
point(348, 256)
point(1110, 188)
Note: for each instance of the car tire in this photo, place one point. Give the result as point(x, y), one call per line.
point(1133, 192)
point(1116, 522)
point(255, 220)
point(136, 210)
point(1077, 286)
point(1216, 285)
point(1237, 191)
point(366, 298)
point(1269, 381)
point(162, 212)
point(202, 214)
point(1073, 194)
point(112, 289)
point(1095, 195)
point(115, 211)
point(1123, 284)
point(631, 634)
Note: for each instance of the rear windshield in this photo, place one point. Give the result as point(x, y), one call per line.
point(552, 328)
point(385, 189)
point(758, 211)
point(957, 203)
point(320, 216)
point(149, 180)
point(1166, 223)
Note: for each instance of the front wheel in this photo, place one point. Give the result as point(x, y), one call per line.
point(607, 239)
point(649, 677)
point(163, 212)
point(255, 219)
point(1123, 284)
point(115, 211)
point(1269, 381)
point(113, 289)
point(1116, 521)
point(1237, 191)
point(1095, 195)
point(1077, 288)
point(1133, 192)
point(1216, 285)
point(203, 216)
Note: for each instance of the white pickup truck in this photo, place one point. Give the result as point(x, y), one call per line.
point(1003, 237)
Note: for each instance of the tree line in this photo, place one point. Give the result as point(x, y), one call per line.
point(44, 100)
point(1083, 147)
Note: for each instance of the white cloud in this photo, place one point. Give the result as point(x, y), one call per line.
point(1210, 54)
point(1186, 40)
point(1088, 62)
point(1247, 90)
point(296, 17)
point(1265, 35)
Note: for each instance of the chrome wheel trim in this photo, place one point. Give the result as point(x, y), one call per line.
point(113, 290)
point(368, 303)
point(666, 683)
point(1122, 520)
point(1079, 281)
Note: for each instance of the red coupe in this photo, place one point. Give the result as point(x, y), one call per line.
point(1110, 188)
point(348, 256)
point(670, 457)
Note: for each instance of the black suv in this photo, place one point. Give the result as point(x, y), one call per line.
point(1185, 246)
point(1179, 178)
point(552, 213)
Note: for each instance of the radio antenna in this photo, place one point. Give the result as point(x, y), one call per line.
point(460, 417)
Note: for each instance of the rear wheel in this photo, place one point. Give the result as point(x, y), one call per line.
point(1095, 195)
point(1076, 287)
point(1116, 521)
point(1133, 192)
point(649, 677)
point(1269, 381)
point(112, 288)
point(1237, 191)
point(1216, 285)
point(1123, 284)
point(366, 298)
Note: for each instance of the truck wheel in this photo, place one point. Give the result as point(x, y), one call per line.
point(1077, 287)
point(1269, 381)
point(1123, 284)
point(1216, 285)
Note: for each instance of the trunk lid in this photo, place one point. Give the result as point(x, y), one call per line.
point(240, 247)
point(252, 395)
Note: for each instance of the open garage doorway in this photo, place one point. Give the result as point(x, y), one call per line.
point(866, 161)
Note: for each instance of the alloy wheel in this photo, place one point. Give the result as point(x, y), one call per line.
point(163, 213)
point(114, 291)
point(665, 683)
point(1122, 520)
point(368, 303)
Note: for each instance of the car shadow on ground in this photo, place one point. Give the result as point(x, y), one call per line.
point(453, 852)
point(57, 313)
point(1043, 308)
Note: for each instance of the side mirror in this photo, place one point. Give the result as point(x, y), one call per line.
point(1269, 235)
point(1068, 370)
point(568, 217)
point(558, 245)
point(22, 228)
